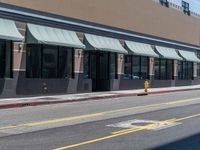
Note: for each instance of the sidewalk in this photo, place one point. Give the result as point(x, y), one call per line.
point(56, 99)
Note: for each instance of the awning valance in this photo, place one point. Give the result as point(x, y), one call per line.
point(94, 42)
point(141, 49)
point(38, 34)
point(168, 53)
point(9, 31)
point(189, 56)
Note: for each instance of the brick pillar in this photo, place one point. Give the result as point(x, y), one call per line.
point(79, 84)
point(78, 69)
point(194, 71)
point(19, 57)
point(115, 83)
point(151, 68)
point(175, 70)
point(19, 69)
point(78, 61)
point(120, 68)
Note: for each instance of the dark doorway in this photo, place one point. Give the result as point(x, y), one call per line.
point(102, 68)
point(100, 71)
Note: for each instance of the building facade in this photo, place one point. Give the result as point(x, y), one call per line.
point(80, 46)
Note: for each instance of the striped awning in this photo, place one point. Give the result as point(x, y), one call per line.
point(189, 56)
point(38, 34)
point(168, 53)
point(9, 31)
point(140, 49)
point(94, 42)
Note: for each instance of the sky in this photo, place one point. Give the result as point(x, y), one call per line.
point(194, 4)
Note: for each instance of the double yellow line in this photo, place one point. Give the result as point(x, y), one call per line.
point(128, 131)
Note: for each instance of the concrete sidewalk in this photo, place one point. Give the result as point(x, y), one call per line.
point(56, 99)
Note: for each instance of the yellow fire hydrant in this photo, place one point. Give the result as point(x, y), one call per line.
point(146, 86)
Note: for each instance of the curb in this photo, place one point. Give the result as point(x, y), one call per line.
point(37, 103)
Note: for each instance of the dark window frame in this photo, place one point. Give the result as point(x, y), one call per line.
point(198, 70)
point(40, 48)
point(140, 67)
point(10, 66)
point(184, 72)
point(165, 77)
point(6, 59)
point(116, 65)
point(88, 73)
point(48, 47)
point(131, 66)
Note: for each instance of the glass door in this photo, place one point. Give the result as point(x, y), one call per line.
point(101, 67)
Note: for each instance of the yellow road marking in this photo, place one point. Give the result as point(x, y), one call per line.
point(51, 121)
point(95, 114)
point(155, 125)
point(137, 107)
point(7, 127)
point(181, 101)
point(153, 105)
point(189, 117)
point(62, 119)
point(124, 132)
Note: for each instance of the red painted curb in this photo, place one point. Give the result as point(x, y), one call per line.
point(36, 103)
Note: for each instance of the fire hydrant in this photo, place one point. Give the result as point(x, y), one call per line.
point(146, 86)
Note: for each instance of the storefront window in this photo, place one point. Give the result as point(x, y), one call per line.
point(185, 70)
point(113, 66)
point(49, 62)
point(136, 67)
point(33, 61)
point(65, 69)
point(163, 69)
point(103, 71)
point(157, 69)
point(5, 59)
point(100, 65)
point(198, 65)
point(144, 67)
point(198, 70)
point(190, 70)
point(127, 67)
point(86, 65)
point(170, 69)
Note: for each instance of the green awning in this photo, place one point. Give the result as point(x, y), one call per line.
point(141, 49)
point(189, 56)
point(94, 42)
point(168, 53)
point(9, 31)
point(38, 34)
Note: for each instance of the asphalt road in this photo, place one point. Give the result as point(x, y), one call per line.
point(167, 121)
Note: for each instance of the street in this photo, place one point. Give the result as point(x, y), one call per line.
point(164, 121)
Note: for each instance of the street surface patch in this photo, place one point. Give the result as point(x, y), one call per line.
point(137, 123)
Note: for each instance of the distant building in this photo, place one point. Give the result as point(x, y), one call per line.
point(77, 46)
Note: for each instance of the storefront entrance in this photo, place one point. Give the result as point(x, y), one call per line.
point(102, 68)
point(100, 71)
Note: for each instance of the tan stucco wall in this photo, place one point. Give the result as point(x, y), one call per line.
point(143, 16)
